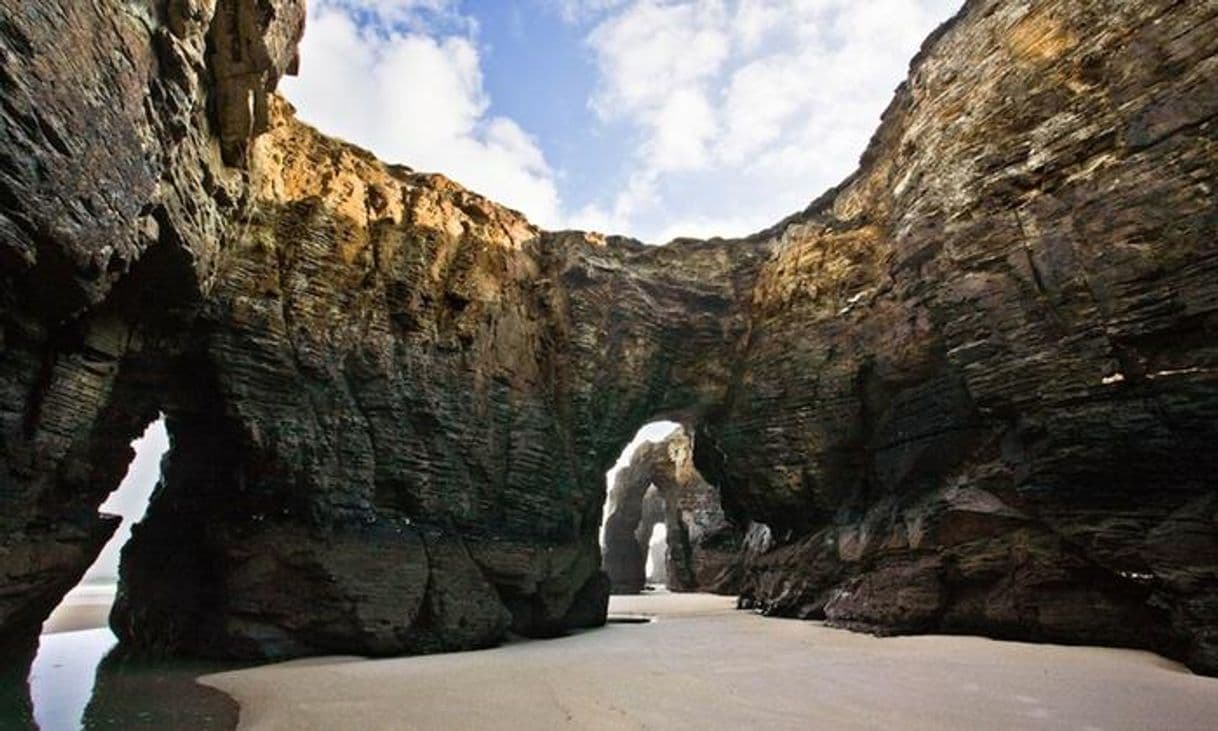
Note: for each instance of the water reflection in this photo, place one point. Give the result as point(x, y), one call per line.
point(62, 676)
point(139, 693)
point(82, 680)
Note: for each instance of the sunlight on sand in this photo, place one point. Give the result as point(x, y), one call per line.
point(702, 665)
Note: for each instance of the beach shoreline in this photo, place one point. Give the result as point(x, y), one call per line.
point(703, 664)
point(85, 607)
point(700, 663)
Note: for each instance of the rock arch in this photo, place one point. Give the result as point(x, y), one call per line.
point(978, 376)
point(388, 398)
point(661, 485)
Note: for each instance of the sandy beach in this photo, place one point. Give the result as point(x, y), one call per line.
point(85, 607)
point(702, 664)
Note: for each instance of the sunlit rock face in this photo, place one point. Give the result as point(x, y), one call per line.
point(661, 486)
point(975, 388)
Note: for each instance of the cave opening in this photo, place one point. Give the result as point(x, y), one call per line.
point(657, 554)
point(634, 525)
point(76, 637)
point(664, 525)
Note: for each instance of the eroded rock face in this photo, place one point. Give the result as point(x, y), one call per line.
point(114, 205)
point(975, 388)
point(986, 366)
point(379, 349)
point(661, 485)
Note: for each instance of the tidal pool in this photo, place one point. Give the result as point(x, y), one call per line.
point(83, 680)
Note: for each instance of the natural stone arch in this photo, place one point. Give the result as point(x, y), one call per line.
point(632, 515)
point(661, 485)
point(978, 375)
point(389, 399)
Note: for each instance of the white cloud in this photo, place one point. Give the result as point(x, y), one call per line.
point(650, 49)
point(410, 89)
point(759, 101)
point(769, 102)
point(754, 20)
point(684, 126)
point(574, 11)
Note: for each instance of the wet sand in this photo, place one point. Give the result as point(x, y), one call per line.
point(703, 665)
point(79, 679)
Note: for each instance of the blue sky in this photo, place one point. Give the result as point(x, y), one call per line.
point(651, 118)
point(538, 73)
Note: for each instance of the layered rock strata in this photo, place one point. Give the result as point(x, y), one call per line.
point(987, 365)
point(114, 205)
point(974, 388)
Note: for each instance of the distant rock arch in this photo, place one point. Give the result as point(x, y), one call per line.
point(661, 485)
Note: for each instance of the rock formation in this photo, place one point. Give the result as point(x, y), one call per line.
point(986, 367)
point(661, 485)
point(972, 389)
point(114, 206)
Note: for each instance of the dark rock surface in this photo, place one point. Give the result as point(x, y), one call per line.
point(113, 204)
point(973, 389)
point(661, 486)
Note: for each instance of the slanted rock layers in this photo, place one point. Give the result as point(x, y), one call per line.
point(972, 389)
